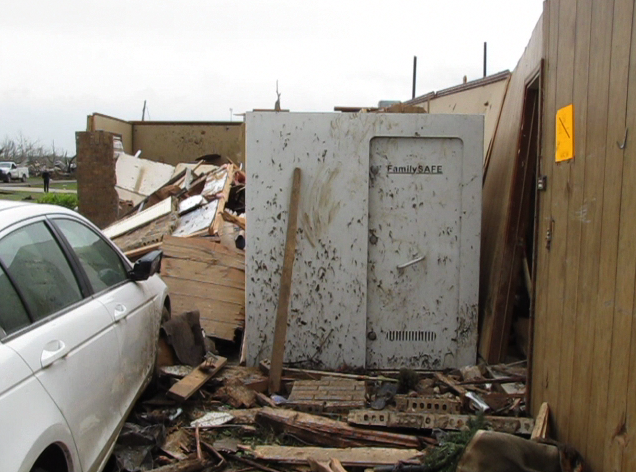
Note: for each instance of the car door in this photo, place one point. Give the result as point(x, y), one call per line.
point(71, 344)
point(29, 419)
point(132, 305)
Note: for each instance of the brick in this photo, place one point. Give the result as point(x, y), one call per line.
point(96, 178)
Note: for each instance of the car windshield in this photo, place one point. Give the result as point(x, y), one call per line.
point(5, 164)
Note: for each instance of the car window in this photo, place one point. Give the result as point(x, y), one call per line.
point(40, 270)
point(101, 263)
point(13, 315)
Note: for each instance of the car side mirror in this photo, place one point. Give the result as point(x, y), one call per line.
point(147, 266)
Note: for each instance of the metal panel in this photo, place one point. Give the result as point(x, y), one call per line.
point(414, 252)
point(327, 324)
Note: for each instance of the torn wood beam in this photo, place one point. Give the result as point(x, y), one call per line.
point(327, 432)
point(541, 423)
point(191, 383)
point(284, 296)
point(350, 457)
point(307, 374)
point(140, 219)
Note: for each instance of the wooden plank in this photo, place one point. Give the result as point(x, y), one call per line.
point(627, 249)
point(576, 352)
point(351, 457)
point(188, 386)
point(453, 384)
point(557, 363)
point(220, 329)
point(323, 431)
point(541, 423)
point(280, 329)
point(218, 319)
point(264, 366)
point(199, 271)
point(151, 233)
point(230, 218)
point(210, 290)
point(544, 221)
point(618, 255)
point(595, 248)
point(553, 209)
point(128, 224)
point(202, 249)
point(140, 251)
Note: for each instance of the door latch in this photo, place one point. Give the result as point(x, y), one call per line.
point(542, 182)
point(548, 234)
point(410, 263)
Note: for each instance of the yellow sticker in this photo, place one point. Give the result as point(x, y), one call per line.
point(565, 133)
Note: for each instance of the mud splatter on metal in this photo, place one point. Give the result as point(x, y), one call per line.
point(378, 191)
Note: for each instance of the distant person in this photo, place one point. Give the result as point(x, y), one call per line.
point(46, 177)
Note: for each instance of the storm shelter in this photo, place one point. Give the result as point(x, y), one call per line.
point(386, 270)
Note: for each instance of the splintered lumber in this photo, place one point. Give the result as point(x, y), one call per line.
point(235, 220)
point(280, 328)
point(540, 430)
point(140, 219)
point(192, 465)
point(351, 457)
point(327, 432)
point(206, 276)
point(216, 190)
point(336, 466)
point(453, 384)
point(306, 374)
point(192, 382)
point(396, 419)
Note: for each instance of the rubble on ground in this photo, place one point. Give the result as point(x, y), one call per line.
point(206, 411)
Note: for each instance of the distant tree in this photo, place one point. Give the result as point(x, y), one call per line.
point(25, 151)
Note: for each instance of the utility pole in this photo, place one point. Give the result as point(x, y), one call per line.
point(485, 51)
point(414, 74)
point(143, 112)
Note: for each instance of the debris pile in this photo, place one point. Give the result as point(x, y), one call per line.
point(218, 416)
point(195, 214)
point(206, 411)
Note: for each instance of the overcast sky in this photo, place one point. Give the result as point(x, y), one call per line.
point(195, 59)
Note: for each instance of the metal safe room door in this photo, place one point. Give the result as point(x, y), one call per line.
point(414, 252)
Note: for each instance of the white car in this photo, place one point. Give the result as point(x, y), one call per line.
point(78, 338)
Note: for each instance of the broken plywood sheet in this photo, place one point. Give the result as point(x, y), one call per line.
point(197, 220)
point(206, 276)
point(197, 168)
point(327, 395)
point(140, 219)
point(191, 203)
point(138, 178)
point(208, 216)
point(353, 457)
point(217, 182)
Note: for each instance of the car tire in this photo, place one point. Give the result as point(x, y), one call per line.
point(38, 469)
point(7, 179)
point(23, 178)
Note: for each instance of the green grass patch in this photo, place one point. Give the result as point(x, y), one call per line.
point(68, 200)
point(38, 182)
point(19, 196)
